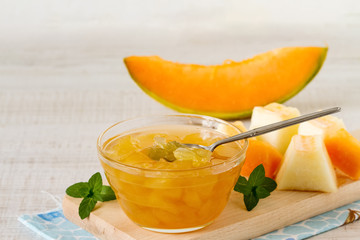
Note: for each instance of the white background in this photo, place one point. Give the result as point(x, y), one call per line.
point(62, 77)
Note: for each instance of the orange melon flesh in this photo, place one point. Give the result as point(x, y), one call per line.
point(344, 152)
point(232, 89)
point(260, 152)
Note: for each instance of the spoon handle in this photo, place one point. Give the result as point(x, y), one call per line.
point(275, 126)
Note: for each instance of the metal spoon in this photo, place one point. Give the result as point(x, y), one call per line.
point(268, 128)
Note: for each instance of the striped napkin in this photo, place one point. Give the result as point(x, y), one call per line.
point(53, 225)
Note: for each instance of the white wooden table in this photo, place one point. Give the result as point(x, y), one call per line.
point(62, 79)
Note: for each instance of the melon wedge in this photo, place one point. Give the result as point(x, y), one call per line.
point(260, 152)
point(343, 148)
point(232, 89)
point(321, 126)
point(344, 151)
point(307, 166)
point(273, 113)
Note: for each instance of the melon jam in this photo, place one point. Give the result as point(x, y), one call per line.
point(171, 195)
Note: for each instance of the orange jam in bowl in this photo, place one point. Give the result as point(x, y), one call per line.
point(180, 193)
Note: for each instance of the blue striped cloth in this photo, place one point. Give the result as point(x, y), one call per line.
point(53, 225)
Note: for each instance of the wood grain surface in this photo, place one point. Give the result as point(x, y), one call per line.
point(62, 78)
point(281, 209)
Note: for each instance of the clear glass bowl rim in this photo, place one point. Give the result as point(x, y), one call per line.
point(117, 163)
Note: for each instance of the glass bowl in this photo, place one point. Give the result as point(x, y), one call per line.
point(172, 200)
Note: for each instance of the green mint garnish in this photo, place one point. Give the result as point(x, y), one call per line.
point(256, 187)
point(91, 192)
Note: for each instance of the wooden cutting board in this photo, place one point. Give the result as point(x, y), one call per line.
point(282, 208)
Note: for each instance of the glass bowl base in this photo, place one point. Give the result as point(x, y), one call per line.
point(178, 230)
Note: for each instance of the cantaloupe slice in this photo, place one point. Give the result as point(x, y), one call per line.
point(272, 113)
point(343, 148)
point(260, 152)
point(307, 166)
point(232, 89)
point(344, 152)
point(321, 126)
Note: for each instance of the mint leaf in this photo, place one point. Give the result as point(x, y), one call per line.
point(269, 184)
point(250, 201)
point(97, 197)
point(78, 190)
point(242, 186)
point(257, 176)
point(258, 186)
point(95, 183)
point(91, 192)
point(107, 194)
point(261, 192)
point(86, 206)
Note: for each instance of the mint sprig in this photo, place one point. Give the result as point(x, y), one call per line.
point(91, 192)
point(256, 187)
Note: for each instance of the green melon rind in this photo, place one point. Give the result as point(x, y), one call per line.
point(221, 115)
point(233, 115)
